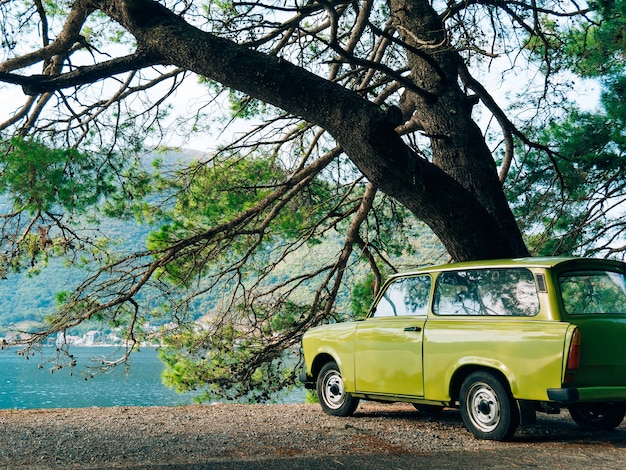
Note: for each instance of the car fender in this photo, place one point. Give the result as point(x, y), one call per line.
point(331, 342)
point(446, 385)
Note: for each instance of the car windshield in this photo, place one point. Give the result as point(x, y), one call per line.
point(593, 292)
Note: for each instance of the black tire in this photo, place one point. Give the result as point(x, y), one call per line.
point(598, 416)
point(487, 407)
point(428, 409)
point(332, 394)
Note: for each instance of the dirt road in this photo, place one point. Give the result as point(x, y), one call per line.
point(289, 437)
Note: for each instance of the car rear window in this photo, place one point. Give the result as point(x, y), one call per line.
point(593, 292)
point(510, 292)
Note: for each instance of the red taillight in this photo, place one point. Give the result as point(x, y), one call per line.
point(573, 358)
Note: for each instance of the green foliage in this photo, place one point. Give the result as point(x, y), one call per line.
point(561, 214)
point(54, 7)
point(596, 50)
point(567, 193)
point(222, 365)
point(221, 192)
point(55, 200)
point(311, 397)
point(264, 257)
point(614, 101)
point(40, 178)
point(362, 296)
point(228, 315)
point(244, 107)
point(587, 48)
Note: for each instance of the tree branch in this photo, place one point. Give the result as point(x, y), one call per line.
point(37, 84)
point(69, 35)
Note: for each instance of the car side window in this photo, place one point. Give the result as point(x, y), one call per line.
point(486, 292)
point(406, 296)
point(593, 292)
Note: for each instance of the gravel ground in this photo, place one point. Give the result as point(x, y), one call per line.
point(288, 436)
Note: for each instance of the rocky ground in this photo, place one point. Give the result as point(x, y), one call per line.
point(288, 436)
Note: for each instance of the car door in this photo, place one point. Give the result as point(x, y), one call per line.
point(388, 344)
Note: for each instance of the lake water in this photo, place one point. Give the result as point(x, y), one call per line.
point(24, 385)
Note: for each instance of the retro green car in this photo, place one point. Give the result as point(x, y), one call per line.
point(500, 339)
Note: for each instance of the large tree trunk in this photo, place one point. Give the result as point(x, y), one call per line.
point(458, 146)
point(457, 194)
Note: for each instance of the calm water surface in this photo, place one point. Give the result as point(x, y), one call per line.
point(24, 385)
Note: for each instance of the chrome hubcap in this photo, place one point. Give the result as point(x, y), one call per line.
point(483, 407)
point(334, 392)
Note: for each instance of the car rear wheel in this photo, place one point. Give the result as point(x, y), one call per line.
point(332, 394)
point(598, 416)
point(487, 407)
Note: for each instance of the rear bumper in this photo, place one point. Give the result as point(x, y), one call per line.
point(587, 394)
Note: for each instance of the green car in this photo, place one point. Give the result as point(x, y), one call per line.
point(500, 339)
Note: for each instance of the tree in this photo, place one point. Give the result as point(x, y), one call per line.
point(571, 202)
point(366, 118)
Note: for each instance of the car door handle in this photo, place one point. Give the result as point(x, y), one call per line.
point(413, 328)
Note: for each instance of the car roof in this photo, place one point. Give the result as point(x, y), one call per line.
point(528, 262)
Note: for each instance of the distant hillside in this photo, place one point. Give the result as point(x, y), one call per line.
point(25, 298)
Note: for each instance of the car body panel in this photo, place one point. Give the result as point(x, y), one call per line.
point(388, 356)
point(528, 353)
point(335, 341)
point(603, 336)
point(602, 360)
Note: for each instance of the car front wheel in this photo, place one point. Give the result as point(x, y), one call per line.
point(487, 407)
point(598, 416)
point(332, 393)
